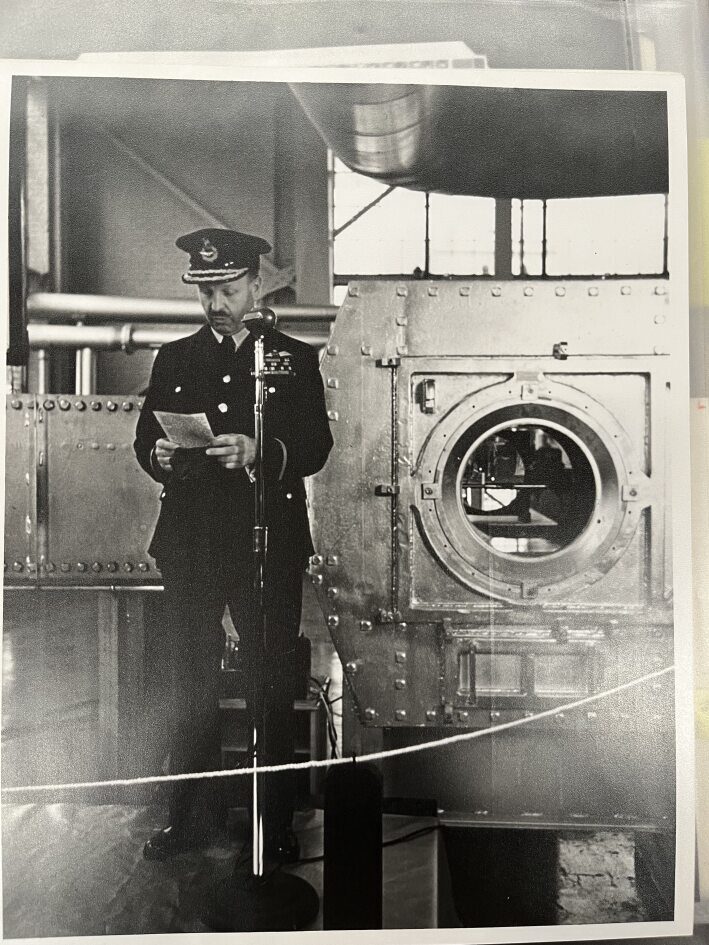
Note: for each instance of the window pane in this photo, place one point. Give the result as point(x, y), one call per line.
point(388, 238)
point(462, 235)
point(606, 235)
point(339, 294)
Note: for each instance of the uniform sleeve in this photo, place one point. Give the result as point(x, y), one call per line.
point(148, 430)
point(301, 444)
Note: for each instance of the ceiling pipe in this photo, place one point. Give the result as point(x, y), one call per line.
point(116, 308)
point(127, 337)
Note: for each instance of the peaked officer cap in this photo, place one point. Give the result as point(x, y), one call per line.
point(218, 255)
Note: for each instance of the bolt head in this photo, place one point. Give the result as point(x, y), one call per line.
point(370, 715)
point(64, 404)
point(528, 291)
point(48, 405)
point(144, 566)
point(333, 621)
point(400, 684)
point(316, 560)
point(128, 567)
point(17, 566)
point(333, 561)
point(494, 715)
point(65, 567)
point(96, 567)
point(16, 404)
point(112, 566)
point(431, 715)
point(593, 291)
point(400, 715)
point(365, 625)
point(496, 291)
point(463, 716)
point(81, 566)
point(80, 405)
point(353, 291)
point(127, 406)
point(110, 405)
point(351, 667)
point(400, 656)
point(50, 567)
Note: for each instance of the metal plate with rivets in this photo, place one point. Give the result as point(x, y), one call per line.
point(101, 507)
point(20, 490)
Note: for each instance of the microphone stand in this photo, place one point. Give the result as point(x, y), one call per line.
point(254, 900)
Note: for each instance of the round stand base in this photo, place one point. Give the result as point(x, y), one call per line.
point(278, 902)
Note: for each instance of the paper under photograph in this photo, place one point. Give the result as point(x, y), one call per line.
point(346, 528)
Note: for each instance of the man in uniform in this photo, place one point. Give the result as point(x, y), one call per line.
point(203, 542)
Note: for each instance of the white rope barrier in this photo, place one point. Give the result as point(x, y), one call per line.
point(331, 762)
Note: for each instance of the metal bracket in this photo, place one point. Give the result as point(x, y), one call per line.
point(560, 350)
point(428, 402)
point(386, 489)
point(629, 493)
point(388, 362)
point(431, 490)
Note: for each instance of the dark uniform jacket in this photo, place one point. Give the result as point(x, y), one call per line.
point(205, 507)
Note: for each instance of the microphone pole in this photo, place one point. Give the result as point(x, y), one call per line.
point(254, 900)
point(258, 323)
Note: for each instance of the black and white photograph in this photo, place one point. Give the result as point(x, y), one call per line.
point(347, 501)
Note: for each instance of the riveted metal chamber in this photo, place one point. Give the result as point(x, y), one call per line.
point(497, 505)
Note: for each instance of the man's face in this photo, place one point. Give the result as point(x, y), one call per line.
point(226, 303)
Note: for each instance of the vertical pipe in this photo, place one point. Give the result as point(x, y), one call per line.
point(55, 178)
point(544, 237)
point(427, 239)
point(17, 343)
point(42, 371)
point(503, 238)
point(85, 359)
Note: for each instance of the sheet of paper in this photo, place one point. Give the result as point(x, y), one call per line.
point(188, 430)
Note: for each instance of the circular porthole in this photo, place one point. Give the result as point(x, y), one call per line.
point(527, 489)
point(526, 499)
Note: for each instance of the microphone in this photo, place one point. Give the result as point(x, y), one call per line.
point(260, 321)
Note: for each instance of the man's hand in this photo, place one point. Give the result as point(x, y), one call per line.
point(233, 450)
point(164, 451)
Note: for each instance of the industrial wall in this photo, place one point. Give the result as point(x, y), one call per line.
point(142, 162)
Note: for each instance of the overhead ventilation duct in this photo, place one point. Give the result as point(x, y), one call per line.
point(496, 142)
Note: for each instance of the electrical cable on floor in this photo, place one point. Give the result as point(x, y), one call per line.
point(406, 838)
point(323, 697)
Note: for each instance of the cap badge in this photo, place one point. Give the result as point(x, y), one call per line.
point(209, 251)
